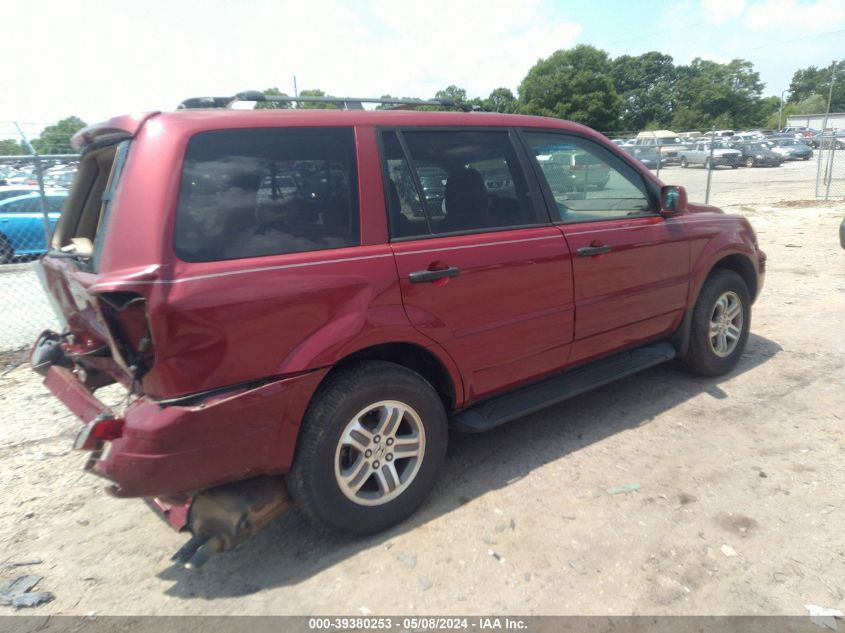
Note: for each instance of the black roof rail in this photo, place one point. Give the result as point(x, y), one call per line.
point(347, 103)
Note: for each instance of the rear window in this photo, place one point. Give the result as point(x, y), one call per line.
point(249, 193)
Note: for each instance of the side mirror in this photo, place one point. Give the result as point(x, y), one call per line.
point(673, 200)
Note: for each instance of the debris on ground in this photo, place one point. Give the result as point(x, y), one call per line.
point(18, 592)
point(409, 559)
point(21, 563)
point(729, 551)
point(615, 490)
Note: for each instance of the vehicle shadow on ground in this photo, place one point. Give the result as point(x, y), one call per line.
point(292, 550)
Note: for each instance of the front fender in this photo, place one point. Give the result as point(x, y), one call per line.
point(714, 242)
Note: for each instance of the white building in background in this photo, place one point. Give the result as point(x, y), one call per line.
point(835, 120)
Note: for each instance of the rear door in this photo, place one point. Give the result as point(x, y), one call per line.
point(483, 272)
point(631, 265)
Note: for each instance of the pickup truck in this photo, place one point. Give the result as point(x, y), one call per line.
point(701, 154)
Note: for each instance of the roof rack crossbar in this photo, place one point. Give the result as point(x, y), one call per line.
point(347, 103)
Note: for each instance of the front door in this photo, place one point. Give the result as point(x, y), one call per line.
point(631, 265)
point(483, 271)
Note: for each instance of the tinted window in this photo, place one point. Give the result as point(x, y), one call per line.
point(405, 211)
point(586, 181)
point(454, 181)
point(247, 193)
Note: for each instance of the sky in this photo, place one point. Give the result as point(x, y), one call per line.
point(95, 59)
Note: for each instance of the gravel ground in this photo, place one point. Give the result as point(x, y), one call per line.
point(739, 506)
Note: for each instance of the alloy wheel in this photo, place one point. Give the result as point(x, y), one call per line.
point(379, 453)
point(725, 324)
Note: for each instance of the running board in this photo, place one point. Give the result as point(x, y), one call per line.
point(526, 400)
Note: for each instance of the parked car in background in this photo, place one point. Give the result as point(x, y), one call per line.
point(22, 230)
point(582, 169)
point(13, 191)
point(668, 144)
point(797, 149)
point(798, 131)
point(21, 178)
point(746, 137)
point(758, 154)
point(720, 134)
point(829, 140)
point(776, 147)
point(711, 155)
point(648, 156)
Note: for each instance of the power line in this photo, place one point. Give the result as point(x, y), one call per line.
point(782, 42)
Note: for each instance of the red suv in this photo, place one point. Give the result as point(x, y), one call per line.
point(291, 308)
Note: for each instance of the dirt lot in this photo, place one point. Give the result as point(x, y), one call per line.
point(739, 510)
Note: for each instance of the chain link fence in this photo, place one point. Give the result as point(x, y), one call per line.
point(830, 170)
point(32, 192)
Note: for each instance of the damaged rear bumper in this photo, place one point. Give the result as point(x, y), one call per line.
point(168, 450)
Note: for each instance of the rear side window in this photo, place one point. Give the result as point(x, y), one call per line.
point(248, 193)
point(454, 181)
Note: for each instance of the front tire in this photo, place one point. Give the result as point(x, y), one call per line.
point(370, 449)
point(684, 162)
point(721, 321)
point(749, 162)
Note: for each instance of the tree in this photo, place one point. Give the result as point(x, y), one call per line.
point(709, 94)
point(573, 84)
point(55, 139)
point(814, 104)
point(306, 105)
point(645, 83)
point(500, 100)
point(767, 112)
point(458, 95)
point(807, 82)
point(11, 147)
point(273, 105)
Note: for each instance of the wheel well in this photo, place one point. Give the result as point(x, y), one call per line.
point(413, 357)
point(744, 268)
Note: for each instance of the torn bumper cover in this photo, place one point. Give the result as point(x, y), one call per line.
point(172, 450)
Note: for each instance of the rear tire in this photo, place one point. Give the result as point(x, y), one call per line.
point(370, 449)
point(750, 162)
point(721, 320)
point(684, 162)
point(707, 164)
point(6, 250)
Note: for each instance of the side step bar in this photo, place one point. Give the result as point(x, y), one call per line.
point(507, 407)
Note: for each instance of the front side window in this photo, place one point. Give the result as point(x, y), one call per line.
point(585, 180)
point(254, 192)
point(454, 181)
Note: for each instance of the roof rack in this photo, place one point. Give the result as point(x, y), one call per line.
point(347, 103)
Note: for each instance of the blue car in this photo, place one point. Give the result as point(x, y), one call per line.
point(22, 225)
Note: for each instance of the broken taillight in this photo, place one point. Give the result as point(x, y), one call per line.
point(103, 429)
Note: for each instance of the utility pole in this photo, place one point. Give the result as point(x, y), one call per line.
point(295, 92)
point(780, 109)
point(832, 148)
point(829, 95)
